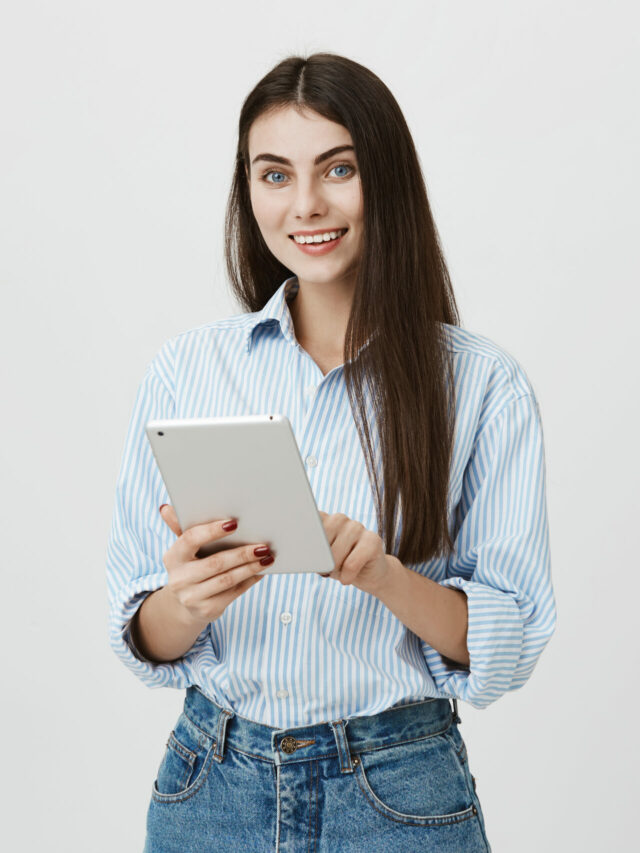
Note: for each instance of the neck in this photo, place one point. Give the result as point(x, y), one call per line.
point(320, 313)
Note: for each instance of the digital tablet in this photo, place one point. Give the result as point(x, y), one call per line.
point(246, 467)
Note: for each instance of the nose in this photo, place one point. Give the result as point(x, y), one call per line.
point(309, 199)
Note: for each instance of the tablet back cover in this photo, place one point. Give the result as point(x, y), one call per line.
point(247, 467)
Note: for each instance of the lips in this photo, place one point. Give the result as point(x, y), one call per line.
point(321, 248)
point(319, 231)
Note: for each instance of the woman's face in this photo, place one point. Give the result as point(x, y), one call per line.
point(304, 196)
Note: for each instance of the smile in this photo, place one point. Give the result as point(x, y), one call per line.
point(318, 238)
point(318, 244)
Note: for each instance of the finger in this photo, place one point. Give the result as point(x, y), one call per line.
point(225, 561)
point(333, 525)
point(226, 598)
point(188, 543)
point(168, 514)
point(225, 582)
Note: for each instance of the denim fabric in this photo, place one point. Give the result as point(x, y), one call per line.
point(398, 781)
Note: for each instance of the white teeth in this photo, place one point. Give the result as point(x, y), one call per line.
point(318, 238)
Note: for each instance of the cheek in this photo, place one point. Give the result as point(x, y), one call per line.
point(354, 205)
point(266, 209)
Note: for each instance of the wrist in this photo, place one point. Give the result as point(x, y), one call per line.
point(182, 615)
point(395, 570)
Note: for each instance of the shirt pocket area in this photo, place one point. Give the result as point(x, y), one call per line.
point(185, 762)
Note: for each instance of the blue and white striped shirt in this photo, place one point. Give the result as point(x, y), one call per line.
point(297, 649)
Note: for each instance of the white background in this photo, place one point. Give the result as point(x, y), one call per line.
point(119, 126)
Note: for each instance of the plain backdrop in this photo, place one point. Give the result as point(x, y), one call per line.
point(117, 143)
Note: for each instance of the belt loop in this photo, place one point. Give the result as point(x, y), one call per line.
point(342, 743)
point(456, 717)
point(221, 733)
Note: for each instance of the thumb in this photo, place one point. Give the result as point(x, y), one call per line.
point(168, 515)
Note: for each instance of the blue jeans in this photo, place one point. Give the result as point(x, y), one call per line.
point(398, 781)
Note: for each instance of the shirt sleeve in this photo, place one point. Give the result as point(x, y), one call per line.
point(501, 560)
point(139, 537)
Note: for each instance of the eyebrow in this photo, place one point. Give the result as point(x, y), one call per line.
point(273, 158)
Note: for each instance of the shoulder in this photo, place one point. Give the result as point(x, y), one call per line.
point(182, 360)
point(199, 339)
point(236, 324)
point(486, 371)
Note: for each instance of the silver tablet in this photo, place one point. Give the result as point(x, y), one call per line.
point(246, 467)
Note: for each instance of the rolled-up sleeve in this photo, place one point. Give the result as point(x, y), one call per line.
point(139, 537)
point(501, 559)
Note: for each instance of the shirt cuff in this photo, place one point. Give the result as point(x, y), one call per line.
point(127, 638)
point(152, 673)
point(494, 641)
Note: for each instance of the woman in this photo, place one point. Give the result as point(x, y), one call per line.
point(316, 714)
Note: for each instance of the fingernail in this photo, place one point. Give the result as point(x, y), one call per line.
point(262, 551)
point(160, 510)
point(230, 525)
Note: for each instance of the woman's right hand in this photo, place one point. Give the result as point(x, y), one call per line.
point(206, 586)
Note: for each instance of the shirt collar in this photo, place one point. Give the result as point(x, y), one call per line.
point(276, 311)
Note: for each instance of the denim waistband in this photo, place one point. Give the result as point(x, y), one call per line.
point(400, 724)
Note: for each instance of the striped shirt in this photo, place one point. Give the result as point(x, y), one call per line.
point(297, 649)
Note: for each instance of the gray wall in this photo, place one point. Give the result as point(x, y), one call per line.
point(116, 150)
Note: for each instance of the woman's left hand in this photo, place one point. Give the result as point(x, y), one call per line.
point(358, 553)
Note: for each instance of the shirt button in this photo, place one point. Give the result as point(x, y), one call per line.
point(312, 461)
point(282, 694)
point(285, 618)
point(311, 389)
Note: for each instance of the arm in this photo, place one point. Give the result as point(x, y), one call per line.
point(501, 562)
point(437, 615)
point(161, 629)
point(137, 542)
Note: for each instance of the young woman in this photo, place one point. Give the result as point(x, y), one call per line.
point(317, 711)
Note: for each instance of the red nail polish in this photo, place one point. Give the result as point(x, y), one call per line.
point(160, 510)
point(262, 551)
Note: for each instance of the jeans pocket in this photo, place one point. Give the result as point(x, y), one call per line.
point(185, 763)
point(419, 783)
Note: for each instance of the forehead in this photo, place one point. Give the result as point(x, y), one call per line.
point(298, 136)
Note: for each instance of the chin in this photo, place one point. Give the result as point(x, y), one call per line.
point(317, 275)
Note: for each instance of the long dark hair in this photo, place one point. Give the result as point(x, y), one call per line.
point(402, 298)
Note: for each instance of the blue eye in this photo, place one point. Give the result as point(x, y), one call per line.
point(282, 178)
point(272, 172)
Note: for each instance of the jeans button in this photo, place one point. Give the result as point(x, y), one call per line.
point(289, 744)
